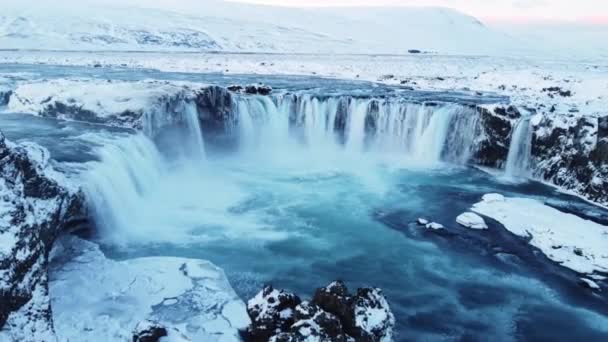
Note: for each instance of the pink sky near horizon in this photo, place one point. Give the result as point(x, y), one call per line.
point(581, 11)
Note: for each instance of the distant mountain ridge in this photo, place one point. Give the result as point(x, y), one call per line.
point(217, 26)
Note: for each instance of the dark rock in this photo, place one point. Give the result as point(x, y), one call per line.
point(149, 331)
point(496, 130)
point(414, 51)
point(271, 311)
point(334, 299)
point(214, 106)
point(332, 315)
point(373, 320)
point(235, 88)
point(311, 322)
point(386, 77)
point(5, 97)
point(570, 151)
point(557, 91)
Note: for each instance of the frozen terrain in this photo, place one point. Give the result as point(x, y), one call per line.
point(294, 152)
point(94, 298)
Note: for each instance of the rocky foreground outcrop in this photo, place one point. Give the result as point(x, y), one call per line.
point(34, 209)
point(332, 315)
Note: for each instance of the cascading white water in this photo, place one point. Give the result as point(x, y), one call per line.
point(195, 133)
point(520, 149)
point(356, 126)
point(127, 171)
point(416, 131)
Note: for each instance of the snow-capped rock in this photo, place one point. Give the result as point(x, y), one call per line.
point(332, 315)
point(148, 331)
point(271, 311)
point(35, 207)
point(471, 220)
point(434, 226)
point(422, 221)
point(192, 296)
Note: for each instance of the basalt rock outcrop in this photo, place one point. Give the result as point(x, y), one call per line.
point(571, 151)
point(35, 207)
point(333, 314)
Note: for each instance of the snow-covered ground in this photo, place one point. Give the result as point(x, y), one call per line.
point(567, 239)
point(101, 97)
point(523, 79)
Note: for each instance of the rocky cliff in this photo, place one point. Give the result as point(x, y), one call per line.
point(34, 209)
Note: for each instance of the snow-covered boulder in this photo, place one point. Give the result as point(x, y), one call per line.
point(311, 323)
point(434, 226)
point(98, 299)
point(271, 311)
point(35, 206)
point(149, 331)
point(471, 220)
point(332, 315)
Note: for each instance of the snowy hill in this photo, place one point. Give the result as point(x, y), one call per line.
point(220, 26)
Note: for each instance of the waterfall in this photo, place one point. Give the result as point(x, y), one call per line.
point(128, 169)
point(518, 159)
point(195, 133)
point(356, 126)
point(423, 133)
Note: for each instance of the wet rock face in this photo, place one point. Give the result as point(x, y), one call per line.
point(570, 151)
point(332, 315)
point(35, 208)
point(251, 89)
point(214, 105)
point(496, 128)
point(5, 96)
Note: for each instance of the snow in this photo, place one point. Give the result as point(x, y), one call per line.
point(522, 79)
point(104, 98)
point(434, 226)
point(471, 220)
point(95, 298)
point(423, 222)
point(593, 285)
point(569, 240)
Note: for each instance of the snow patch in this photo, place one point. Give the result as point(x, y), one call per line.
point(471, 220)
point(569, 240)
